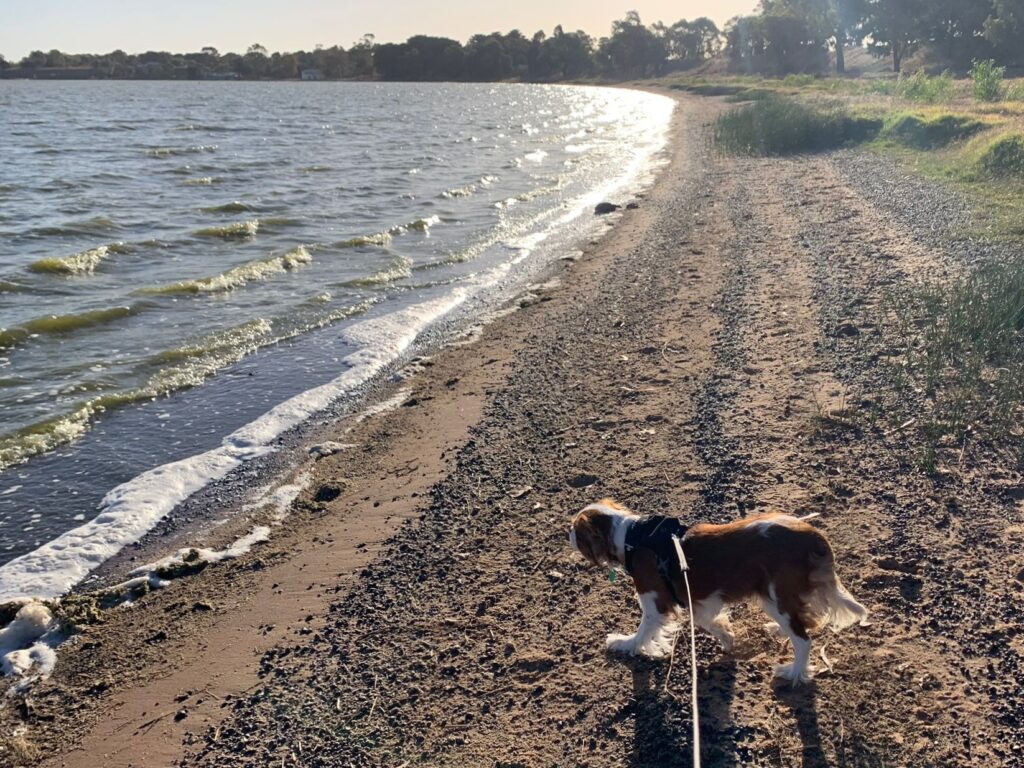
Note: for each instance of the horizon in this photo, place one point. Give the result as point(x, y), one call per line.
point(232, 25)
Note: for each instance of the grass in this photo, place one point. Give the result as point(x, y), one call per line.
point(924, 132)
point(920, 87)
point(965, 353)
point(776, 125)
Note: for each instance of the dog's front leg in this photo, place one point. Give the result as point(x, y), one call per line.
point(652, 637)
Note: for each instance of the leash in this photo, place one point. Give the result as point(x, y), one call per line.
point(693, 652)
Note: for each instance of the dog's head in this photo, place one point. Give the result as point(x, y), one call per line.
point(593, 531)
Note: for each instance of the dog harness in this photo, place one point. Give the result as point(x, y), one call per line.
point(654, 534)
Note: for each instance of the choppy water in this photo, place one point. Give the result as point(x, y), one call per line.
point(178, 258)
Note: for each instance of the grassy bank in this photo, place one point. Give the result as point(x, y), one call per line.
point(959, 344)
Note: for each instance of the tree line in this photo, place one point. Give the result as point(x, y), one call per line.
point(798, 35)
point(632, 50)
point(784, 36)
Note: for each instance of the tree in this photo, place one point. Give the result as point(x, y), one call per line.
point(1004, 29)
point(691, 42)
point(894, 28)
point(633, 50)
point(776, 45)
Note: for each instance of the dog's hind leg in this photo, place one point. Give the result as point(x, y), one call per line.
point(790, 623)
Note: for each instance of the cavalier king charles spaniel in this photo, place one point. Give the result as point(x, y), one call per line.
point(780, 561)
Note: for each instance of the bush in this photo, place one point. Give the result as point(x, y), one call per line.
point(988, 80)
point(927, 90)
point(781, 126)
point(1003, 156)
point(918, 131)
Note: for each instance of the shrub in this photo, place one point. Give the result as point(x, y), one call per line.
point(988, 80)
point(781, 126)
point(919, 131)
point(1003, 156)
point(927, 90)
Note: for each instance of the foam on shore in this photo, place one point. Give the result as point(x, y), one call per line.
point(130, 510)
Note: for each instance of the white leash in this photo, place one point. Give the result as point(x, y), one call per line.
point(693, 652)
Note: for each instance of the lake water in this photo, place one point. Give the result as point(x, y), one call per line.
point(189, 269)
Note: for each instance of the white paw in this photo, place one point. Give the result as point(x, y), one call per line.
point(656, 648)
point(622, 644)
point(727, 639)
point(774, 630)
point(793, 674)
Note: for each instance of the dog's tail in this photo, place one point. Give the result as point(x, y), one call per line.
point(828, 600)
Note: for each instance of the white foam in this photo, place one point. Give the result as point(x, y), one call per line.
point(26, 645)
point(131, 509)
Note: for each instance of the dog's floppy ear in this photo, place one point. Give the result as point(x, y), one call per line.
point(591, 534)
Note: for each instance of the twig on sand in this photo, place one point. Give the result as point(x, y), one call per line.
point(147, 726)
point(665, 357)
point(901, 427)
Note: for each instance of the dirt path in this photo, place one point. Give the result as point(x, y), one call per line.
point(719, 352)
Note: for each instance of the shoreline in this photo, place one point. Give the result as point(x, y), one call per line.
point(230, 463)
point(421, 603)
point(405, 379)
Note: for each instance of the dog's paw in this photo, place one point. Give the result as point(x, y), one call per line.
point(622, 644)
point(794, 675)
point(774, 630)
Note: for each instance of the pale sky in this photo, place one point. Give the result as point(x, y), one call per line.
point(100, 26)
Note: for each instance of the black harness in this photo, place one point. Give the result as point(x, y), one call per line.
point(654, 534)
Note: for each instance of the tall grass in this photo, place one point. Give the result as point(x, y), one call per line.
point(965, 353)
point(924, 132)
point(783, 126)
point(927, 90)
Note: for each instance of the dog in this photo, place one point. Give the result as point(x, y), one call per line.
point(775, 559)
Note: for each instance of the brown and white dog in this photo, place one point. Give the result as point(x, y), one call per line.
point(780, 561)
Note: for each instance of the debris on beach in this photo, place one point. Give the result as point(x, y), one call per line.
point(602, 209)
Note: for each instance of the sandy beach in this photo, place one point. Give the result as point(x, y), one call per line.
point(714, 354)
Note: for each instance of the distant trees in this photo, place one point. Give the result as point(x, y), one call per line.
point(788, 35)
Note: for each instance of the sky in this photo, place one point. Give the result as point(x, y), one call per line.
point(100, 26)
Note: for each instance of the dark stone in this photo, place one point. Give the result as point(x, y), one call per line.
point(583, 480)
point(327, 493)
point(632, 206)
point(847, 330)
point(602, 208)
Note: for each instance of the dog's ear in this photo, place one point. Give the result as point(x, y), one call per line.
point(592, 530)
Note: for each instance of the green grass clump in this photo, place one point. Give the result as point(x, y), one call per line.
point(987, 79)
point(1003, 156)
point(928, 133)
point(927, 90)
point(782, 126)
point(966, 353)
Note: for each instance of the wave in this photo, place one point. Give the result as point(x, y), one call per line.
point(84, 227)
point(62, 324)
point(401, 268)
point(238, 229)
point(384, 238)
point(233, 207)
point(6, 286)
point(176, 369)
point(460, 192)
point(200, 181)
point(82, 263)
point(238, 276)
point(175, 151)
